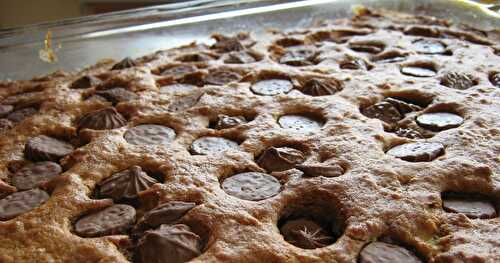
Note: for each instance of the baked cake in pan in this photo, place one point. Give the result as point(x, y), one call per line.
point(371, 139)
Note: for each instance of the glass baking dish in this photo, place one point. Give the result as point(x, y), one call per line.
point(84, 41)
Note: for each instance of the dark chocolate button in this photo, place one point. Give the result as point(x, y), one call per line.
point(379, 252)
point(103, 119)
point(222, 77)
point(313, 170)
point(439, 121)
point(429, 46)
point(178, 87)
point(45, 148)
point(21, 114)
point(417, 151)
point(408, 133)
point(305, 233)
point(113, 220)
point(280, 158)
point(241, 57)
point(85, 82)
point(299, 123)
point(383, 111)
point(252, 186)
point(125, 63)
point(167, 213)
point(210, 145)
point(271, 87)
point(149, 134)
point(184, 103)
point(21, 202)
point(417, 71)
point(456, 80)
point(5, 110)
point(125, 185)
point(495, 79)
point(169, 243)
point(178, 71)
point(469, 206)
point(322, 87)
point(353, 63)
point(34, 174)
point(226, 122)
point(5, 124)
point(298, 57)
point(117, 95)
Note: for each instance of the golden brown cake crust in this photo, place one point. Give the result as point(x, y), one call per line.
point(378, 196)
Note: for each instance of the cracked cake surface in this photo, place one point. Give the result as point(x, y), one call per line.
point(374, 138)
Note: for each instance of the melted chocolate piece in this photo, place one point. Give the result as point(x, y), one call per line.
point(167, 213)
point(85, 82)
point(222, 77)
point(125, 63)
point(299, 123)
point(169, 244)
point(21, 202)
point(5, 110)
point(403, 107)
point(470, 206)
point(313, 170)
point(408, 133)
point(353, 63)
point(251, 186)
point(45, 148)
point(495, 79)
point(241, 57)
point(305, 233)
point(184, 103)
point(113, 220)
point(195, 57)
point(417, 151)
point(227, 44)
point(117, 95)
point(368, 46)
point(439, 121)
point(21, 114)
point(280, 158)
point(149, 134)
point(379, 252)
point(178, 71)
point(103, 119)
point(125, 185)
point(210, 145)
point(425, 31)
point(298, 57)
point(457, 80)
point(34, 174)
point(383, 111)
point(322, 87)
point(5, 124)
point(226, 122)
point(271, 87)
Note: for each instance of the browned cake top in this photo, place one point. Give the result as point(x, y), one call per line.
point(371, 139)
